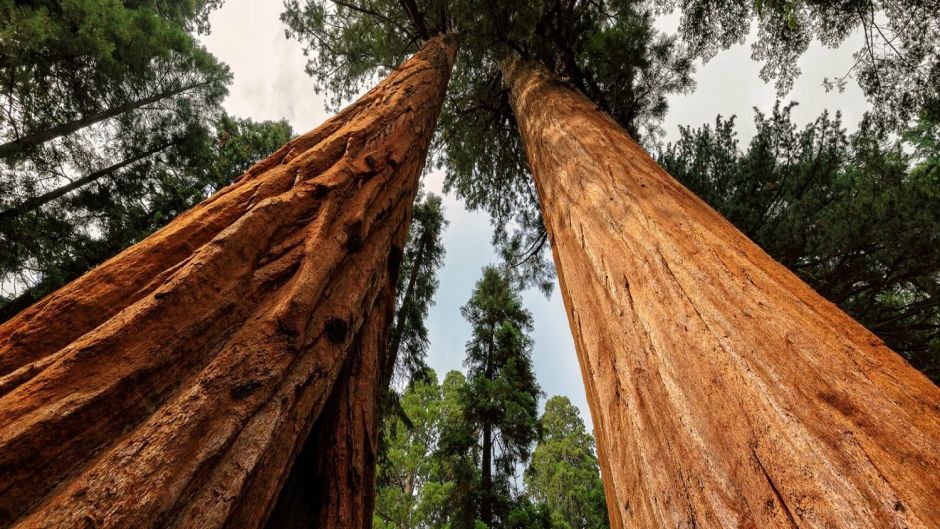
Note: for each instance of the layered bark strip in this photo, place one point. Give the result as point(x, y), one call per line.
point(174, 385)
point(725, 392)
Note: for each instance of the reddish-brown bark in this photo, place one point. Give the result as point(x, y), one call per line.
point(174, 385)
point(725, 392)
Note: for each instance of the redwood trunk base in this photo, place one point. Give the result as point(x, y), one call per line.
point(725, 392)
point(174, 385)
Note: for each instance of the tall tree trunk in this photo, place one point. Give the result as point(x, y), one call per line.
point(175, 385)
point(486, 479)
point(33, 203)
point(725, 392)
point(39, 137)
point(394, 344)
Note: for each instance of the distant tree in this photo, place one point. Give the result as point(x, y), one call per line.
point(428, 477)
point(417, 283)
point(857, 216)
point(411, 492)
point(421, 482)
point(897, 65)
point(563, 473)
point(501, 396)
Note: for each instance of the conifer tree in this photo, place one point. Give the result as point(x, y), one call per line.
point(563, 473)
point(501, 396)
point(414, 480)
point(417, 283)
point(102, 102)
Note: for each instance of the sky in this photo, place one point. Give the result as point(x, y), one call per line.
point(270, 83)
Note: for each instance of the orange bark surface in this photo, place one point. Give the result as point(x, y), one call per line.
point(175, 385)
point(725, 392)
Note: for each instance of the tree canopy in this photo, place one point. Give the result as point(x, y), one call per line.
point(110, 126)
point(897, 64)
point(608, 49)
point(563, 473)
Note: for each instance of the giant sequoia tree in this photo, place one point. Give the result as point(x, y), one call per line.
point(198, 365)
point(724, 390)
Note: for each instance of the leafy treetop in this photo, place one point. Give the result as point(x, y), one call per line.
point(607, 48)
point(897, 64)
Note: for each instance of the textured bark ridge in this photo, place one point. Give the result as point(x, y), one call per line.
point(175, 385)
point(725, 392)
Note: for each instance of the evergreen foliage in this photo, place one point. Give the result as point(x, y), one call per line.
point(857, 216)
point(500, 400)
point(563, 473)
point(608, 49)
point(413, 485)
point(95, 96)
point(450, 457)
point(110, 127)
point(417, 282)
point(430, 474)
point(897, 65)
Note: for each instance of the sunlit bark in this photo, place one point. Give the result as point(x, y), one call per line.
point(725, 392)
point(175, 385)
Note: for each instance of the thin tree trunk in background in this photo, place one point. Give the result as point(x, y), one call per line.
point(33, 203)
point(486, 502)
point(33, 139)
point(486, 480)
point(175, 384)
point(725, 392)
point(394, 344)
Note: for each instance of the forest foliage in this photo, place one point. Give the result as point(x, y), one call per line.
point(472, 451)
point(422, 484)
point(111, 125)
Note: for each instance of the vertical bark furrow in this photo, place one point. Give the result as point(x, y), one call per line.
point(199, 359)
point(122, 280)
point(724, 391)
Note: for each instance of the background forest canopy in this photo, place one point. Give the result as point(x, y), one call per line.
point(112, 123)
